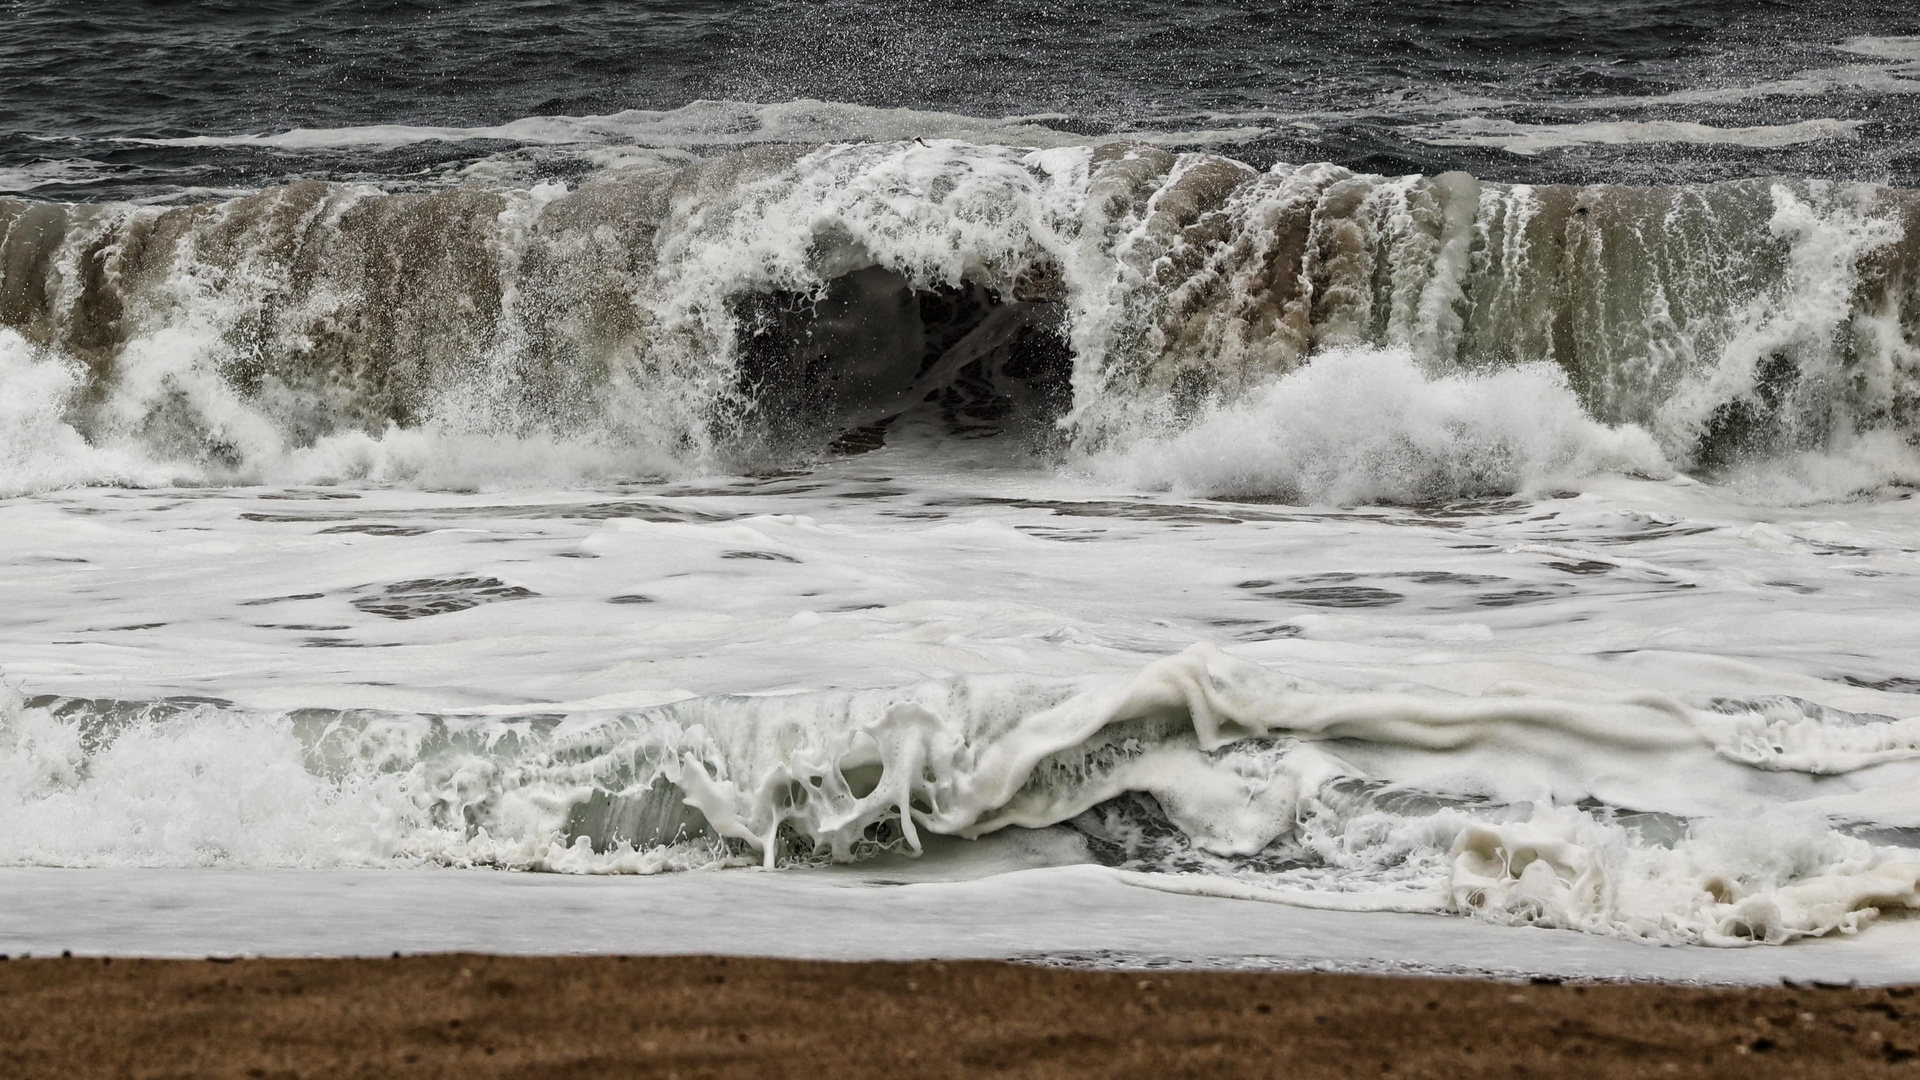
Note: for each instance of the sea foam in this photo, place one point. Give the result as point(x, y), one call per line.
point(1312, 788)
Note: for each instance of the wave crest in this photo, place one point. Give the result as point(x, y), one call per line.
point(695, 315)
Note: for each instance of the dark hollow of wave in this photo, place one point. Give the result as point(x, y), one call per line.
point(871, 345)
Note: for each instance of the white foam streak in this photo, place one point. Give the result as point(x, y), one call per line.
point(1529, 139)
point(713, 123)
point(1883, 48)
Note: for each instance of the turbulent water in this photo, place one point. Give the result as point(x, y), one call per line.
point(1466, 472)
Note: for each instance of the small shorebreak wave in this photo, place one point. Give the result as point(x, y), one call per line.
point(1199, 773)
point(1101, 304)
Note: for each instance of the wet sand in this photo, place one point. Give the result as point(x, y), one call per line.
point(487, 1016)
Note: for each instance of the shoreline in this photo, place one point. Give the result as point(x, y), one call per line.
point(894, 909)
point(470, 1014)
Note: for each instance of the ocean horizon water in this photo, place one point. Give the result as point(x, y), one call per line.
point(1420, 478)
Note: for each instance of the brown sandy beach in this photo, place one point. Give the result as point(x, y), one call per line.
point(488, 1016)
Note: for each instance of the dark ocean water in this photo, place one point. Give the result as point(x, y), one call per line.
point(1386, 88)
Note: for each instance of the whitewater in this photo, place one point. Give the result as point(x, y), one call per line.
point(941, 509)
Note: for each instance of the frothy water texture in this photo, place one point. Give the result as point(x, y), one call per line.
point(1227, 753)
point(1381, 500)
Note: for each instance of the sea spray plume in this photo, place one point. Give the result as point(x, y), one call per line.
point(39, 450)
point(1367, 426)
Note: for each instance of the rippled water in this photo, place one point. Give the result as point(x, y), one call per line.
point(1578, 88)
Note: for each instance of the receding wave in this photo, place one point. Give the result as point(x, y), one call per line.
point(1200, 771)
point(1096, 302)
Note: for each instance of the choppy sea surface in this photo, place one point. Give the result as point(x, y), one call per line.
point(1444, 463)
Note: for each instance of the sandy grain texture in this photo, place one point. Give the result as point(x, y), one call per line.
point(491, 1016)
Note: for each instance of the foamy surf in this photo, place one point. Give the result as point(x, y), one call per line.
point(1241, 760)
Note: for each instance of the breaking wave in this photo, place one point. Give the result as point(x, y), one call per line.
point(1103, 303)
point(1200, 772)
